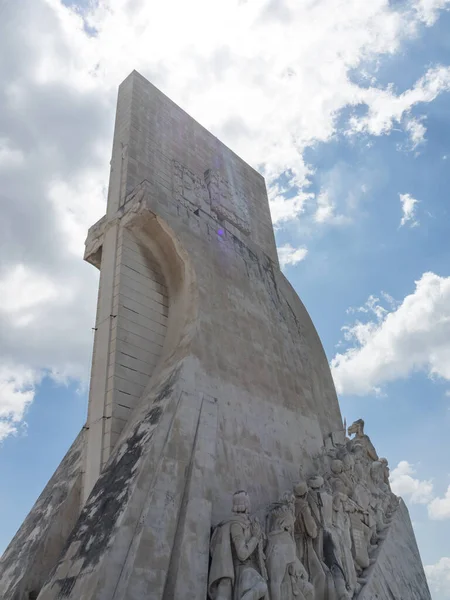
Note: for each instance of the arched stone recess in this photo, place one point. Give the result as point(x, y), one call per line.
point(155, 307)
point(146, 315)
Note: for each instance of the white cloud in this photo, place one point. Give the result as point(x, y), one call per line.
point(258, 60)
point(57, 103)
point(326, 210)
point(289, 255)
point(342, 189)
point(386, 108)
point(9, 157)
point(21, 290)
point(439, 508)
point(438, 576)
point(409, 205)
point(17, 386)
point(413, 336)
point(417, 131)
point(428, 10)
point(403, 484)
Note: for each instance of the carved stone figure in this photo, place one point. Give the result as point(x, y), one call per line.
point(237, 569)
point(342, 506)
point(319, 537)
point(363, 524)
point(338, 474)
point(288, 579)
point(378, 494)
point(305, 533)
point(321, 505)
point(357, 428)
point(362, 491)
point(390, 502)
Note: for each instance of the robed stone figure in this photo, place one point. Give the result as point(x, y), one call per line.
point(237, 569)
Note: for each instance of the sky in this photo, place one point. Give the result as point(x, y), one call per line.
point(344, 107)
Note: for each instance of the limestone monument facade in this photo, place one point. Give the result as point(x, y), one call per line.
point(214, 462)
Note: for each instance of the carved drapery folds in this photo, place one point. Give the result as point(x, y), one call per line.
point(319, 539)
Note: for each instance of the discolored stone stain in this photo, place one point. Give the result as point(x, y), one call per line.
point(154, 415)
point(266, 272)
point(67, 586)
point(26, 542)
point(94, 529)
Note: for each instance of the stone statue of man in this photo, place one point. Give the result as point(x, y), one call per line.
point(288, 579)
point(362, 438)
point(237, 569)
point(321, 506)
point(305, 533)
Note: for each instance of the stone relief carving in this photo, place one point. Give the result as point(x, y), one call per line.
point(211, 193)
point(287, 576)
point(319, 539)
point(189, 187)
point(227, 202)
point(357, 428)
point(238, 571)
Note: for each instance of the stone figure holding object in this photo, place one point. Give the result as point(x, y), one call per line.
point(237, 569)
point(288, 579)
point(325, 545)
point(305, 533)
point(357, 428)
point(342, 507)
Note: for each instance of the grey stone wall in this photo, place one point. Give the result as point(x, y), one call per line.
point(36, 547)
point(398, 573)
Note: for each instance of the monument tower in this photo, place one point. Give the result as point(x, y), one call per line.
point(209, 389)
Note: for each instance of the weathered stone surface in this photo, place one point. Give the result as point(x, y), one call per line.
point(208, 377)
point(397, 572)
point(36, 547)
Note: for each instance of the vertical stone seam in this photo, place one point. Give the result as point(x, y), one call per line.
point(141, 520)
point(102, 455)
point(176, 549)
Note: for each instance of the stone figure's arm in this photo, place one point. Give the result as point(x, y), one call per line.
point(243, 549)
point(310, 524)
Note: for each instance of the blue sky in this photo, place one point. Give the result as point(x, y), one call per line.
point(345, 112)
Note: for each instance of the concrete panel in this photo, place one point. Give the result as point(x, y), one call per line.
point(143, 305)
point(139, 327)
point(145, 357)
point(133, 316)
point(137, 284)
point(133, 254)
point(139, 341)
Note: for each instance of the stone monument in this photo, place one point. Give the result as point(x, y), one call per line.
point(214, 462)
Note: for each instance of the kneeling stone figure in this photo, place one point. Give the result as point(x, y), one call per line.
point(237, 569)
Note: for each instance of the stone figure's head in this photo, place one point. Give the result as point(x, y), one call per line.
point(241, 502)
point(315, 483)
point(288, 498)
point(356, 428)
point(337, 466)
point(300, 489)
point(281, 515)
point(385, 464)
